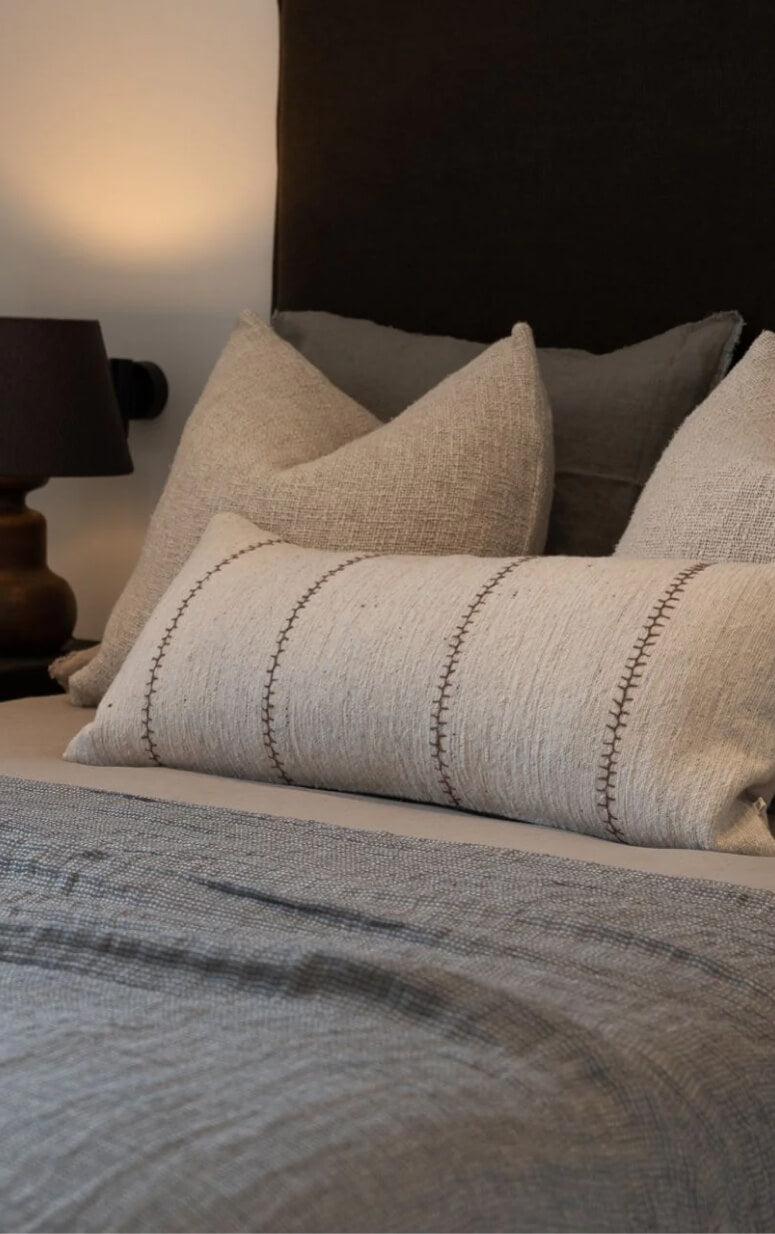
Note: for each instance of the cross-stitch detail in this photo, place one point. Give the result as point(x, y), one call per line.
point(440, 713)
point(624, 693)
point(147, 734)
point(267, 701)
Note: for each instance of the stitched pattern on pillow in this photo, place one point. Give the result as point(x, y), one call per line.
point(439, 717)
point(147, 735)
point(624, 693)
point(267, 699)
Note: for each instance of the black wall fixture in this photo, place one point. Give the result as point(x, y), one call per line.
point(141, 388)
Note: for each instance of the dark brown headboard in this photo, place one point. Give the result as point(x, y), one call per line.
point(604, 169)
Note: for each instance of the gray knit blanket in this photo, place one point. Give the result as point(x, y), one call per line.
point(222, 1021)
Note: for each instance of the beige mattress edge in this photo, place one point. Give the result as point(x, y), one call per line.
point(35, 731)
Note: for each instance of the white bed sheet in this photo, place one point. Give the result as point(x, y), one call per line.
point(35, 731)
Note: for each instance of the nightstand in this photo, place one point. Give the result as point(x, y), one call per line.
point(22, 676)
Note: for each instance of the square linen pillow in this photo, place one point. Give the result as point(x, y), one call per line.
point(466, 468)
point(713, 492)
point(631, 700)
point(613, 414)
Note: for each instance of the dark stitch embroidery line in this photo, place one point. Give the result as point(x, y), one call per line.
point(624, 692)
point(147, 734)
point(440, 713)
point(267, 700)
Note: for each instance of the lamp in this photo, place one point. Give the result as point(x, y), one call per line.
point(59, 416)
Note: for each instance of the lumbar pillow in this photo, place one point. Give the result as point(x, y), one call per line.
point(613, 414)
point(632, 700)
point(469, 468)
point(713, 492)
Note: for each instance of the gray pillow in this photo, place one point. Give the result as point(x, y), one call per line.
point(613, 414)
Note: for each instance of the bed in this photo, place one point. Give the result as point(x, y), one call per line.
point(232, 1005)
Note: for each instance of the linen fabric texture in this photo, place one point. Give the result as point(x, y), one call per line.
point(713, 492)
point(63, 667)
point(613, 414)
point(630, 700)
point(467, 468)
point(214, 1019)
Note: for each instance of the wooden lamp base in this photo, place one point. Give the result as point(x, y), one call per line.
point(37, 607)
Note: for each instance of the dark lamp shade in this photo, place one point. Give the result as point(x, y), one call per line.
point(58, 411)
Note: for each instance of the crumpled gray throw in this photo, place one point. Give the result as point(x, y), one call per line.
point(220, 1021)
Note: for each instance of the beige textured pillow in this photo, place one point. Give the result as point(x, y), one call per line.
point(632, 700)
point(467, 468)
point(613, 414)
point(712, 494)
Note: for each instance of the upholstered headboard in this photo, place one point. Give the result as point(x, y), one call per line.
point(601, 168)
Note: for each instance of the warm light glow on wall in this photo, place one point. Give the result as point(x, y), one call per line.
point(122, 185)
point(127, 142)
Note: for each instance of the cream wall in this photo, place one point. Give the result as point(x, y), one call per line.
point(137, 182)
